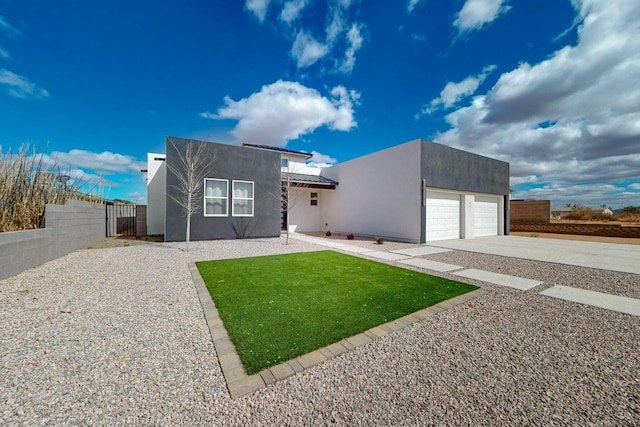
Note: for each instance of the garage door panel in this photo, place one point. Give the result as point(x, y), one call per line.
point(443, 216)
point(485, 216)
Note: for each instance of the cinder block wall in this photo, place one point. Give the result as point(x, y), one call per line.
point(530, 211)
point(68, 228)
point(608, 230)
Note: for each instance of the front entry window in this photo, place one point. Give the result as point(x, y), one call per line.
point(242, 198)
point(216, 197)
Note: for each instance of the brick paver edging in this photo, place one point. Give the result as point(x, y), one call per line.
point(239, 383)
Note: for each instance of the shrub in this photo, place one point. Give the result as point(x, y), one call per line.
point(379, 240)
point(327, 233)
point(350, 236)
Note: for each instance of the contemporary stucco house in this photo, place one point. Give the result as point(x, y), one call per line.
point(417, 192)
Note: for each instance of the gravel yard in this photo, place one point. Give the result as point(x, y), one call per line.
point(117, 336)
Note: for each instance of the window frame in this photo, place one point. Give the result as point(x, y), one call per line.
point(252, 198)
point(226, 198)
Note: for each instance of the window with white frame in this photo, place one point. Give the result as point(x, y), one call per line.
point(216, 197)
point(242, 198)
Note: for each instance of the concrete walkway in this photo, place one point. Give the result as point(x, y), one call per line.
point(597, 299)
point(406, 256)
point(606, 256)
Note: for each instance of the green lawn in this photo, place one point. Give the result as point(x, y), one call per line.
point(276, 308)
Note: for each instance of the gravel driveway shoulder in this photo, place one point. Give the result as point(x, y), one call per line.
point(117, 336)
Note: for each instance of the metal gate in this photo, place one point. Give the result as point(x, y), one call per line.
point(284, 209)
point(121, 220)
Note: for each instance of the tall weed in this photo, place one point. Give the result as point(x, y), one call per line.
point(27, 184)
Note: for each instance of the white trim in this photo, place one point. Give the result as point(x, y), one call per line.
point(252, 198)
point(225, 198)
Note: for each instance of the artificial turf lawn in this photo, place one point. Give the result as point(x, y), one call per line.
point(278, 307)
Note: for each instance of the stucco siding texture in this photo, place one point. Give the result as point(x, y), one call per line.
point(231, 163)
point(378, 194)
point(449, 168)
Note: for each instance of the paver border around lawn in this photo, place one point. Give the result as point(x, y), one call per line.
point(240, 384)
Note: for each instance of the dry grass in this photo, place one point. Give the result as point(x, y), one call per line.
point(27, 184)
point(629, 215)
point(589, 214)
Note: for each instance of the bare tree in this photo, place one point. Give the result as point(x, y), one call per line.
point(192, 167)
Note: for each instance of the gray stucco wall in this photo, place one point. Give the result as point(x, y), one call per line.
point(452, 169)
point(68, 228)
point(232, 162)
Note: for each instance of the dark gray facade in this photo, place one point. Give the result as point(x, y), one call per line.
point(261, 167)
point(452, 169)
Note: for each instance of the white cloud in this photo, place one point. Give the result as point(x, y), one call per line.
point(307, 51)
point(477, 13)
point(101, 163)
point(308, 47)
point(6, 26)
point(20, 86)
point(453, 93)
point(634, 186)
point(284, 110)
point(571, 118)
point(412, 5)
point(354, 43)
point(258, 8)
point(336, 25)
point(136, 197)
point(3, 53)
point(321, 159)
point(291, 10)
point(345, 4)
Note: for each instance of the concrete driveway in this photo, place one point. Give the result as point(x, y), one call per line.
point(607, 256)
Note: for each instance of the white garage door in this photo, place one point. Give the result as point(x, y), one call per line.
point(443, 216)
point(486, 216)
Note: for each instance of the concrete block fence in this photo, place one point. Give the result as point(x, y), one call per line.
point(68, 228)
point(530, 211)
point(609, 230)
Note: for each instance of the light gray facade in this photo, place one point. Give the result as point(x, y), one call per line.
point(232, 163)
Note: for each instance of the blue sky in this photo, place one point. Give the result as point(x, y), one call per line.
point(550, 86)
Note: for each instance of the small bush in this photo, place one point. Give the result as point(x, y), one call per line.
point(379, 240)
point(327, 233)
point(350, 236)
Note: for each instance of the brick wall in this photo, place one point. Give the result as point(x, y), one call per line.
point(68, 228)
point(530, 211)
point(607, 230)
